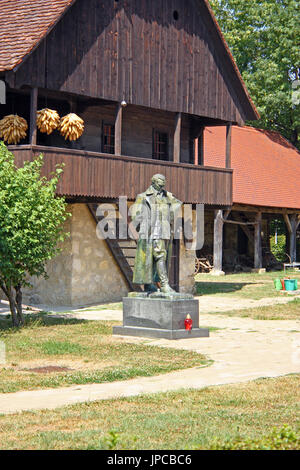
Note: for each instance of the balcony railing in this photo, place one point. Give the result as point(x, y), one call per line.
point(98, 175)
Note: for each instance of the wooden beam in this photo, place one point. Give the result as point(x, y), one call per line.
point(237, 222)
point(33, 111)
point(118, 130)
point(226, 215)
point(196, 151)
point(264, 209)
point(292, 223)
point(257, 242)
point(201, 147)
point(288, 222)
point(228, 145)
point(218, 241)
point(176, 147)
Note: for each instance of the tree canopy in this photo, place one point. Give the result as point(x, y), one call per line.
point(263, 36)
point(31, 225)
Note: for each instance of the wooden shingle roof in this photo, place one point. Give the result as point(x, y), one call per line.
point(23, 24)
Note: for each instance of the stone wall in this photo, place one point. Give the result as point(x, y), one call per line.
point(96, 276)
point(85, 272)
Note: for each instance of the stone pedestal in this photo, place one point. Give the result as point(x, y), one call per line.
point(159, 318)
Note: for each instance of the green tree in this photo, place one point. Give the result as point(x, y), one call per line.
point(263, 36)
point(31, 225)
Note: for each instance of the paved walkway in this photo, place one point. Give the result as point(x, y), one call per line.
point(242, 349)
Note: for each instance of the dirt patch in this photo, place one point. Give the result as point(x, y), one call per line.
point(48, 369)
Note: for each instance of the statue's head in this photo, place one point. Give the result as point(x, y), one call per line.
point(158, 181)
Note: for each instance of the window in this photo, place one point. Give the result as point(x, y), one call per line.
point(108, 138)
point(175, 15)
point(160, 145)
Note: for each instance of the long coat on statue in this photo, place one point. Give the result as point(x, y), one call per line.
point(154, 216)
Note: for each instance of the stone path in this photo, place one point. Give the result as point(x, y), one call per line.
point(242, 349)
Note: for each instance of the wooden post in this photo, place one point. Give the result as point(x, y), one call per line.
point(257, 242)
point(218, 243)
point(33, 111)
point(292, 226)
point(196, 144)
point(176, 149)
point(118, 130)
point(228, 145)
point(201, 147)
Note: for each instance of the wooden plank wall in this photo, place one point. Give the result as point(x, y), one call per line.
point(89, 174)
point(135, 50)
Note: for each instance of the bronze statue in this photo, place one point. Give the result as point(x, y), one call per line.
point(154, 214)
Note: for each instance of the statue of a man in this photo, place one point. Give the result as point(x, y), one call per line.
point(154, 214)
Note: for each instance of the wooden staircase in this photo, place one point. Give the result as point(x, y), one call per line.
point(122, 250)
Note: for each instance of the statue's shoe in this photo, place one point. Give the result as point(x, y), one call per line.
point(167, 289)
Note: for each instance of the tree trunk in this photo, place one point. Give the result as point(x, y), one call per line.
point(19, 305)
point(15, 304)
point(294, 137)
point(13, 307)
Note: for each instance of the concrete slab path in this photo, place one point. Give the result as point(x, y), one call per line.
point(242, 349)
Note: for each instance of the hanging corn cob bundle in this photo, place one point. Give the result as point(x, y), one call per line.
point(71, 126)
point(47, 120)
point(13, 128)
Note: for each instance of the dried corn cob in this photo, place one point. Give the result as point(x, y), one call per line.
point(71, 126)
point(13, 128)
point(47, 120)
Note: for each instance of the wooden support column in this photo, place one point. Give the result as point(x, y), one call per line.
point(292, 223)
point(218, 243)
point(196, 151)
point(176, 148)
point(201, 147)
point(33, 111)
point(257, 242)
point(228, 145)
point(118, 130)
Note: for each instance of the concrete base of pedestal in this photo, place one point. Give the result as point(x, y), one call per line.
point(160, 318)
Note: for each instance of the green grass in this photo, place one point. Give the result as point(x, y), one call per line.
point(243, 285)
point(53, 348)
point(86, 348)
point(222, 417)
point(288, 311)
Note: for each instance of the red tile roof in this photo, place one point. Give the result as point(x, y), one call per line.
point(266, 166)
point(23, 23)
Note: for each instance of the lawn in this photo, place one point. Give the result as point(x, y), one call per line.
point(244, 285)
point(231, 416)
point(52, 352)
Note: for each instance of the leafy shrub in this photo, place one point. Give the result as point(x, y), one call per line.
point(279, 250)
point(279, 439)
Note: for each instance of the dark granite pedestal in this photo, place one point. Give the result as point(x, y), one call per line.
point(160, 318)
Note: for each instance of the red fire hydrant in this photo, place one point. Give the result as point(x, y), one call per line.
point(188, 322)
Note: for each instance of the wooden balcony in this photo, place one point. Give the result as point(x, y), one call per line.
point(98, 175)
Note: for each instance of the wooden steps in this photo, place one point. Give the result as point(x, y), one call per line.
point(122, 250)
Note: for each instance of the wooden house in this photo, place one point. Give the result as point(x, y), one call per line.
point(147, 78)
point(266, 170)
